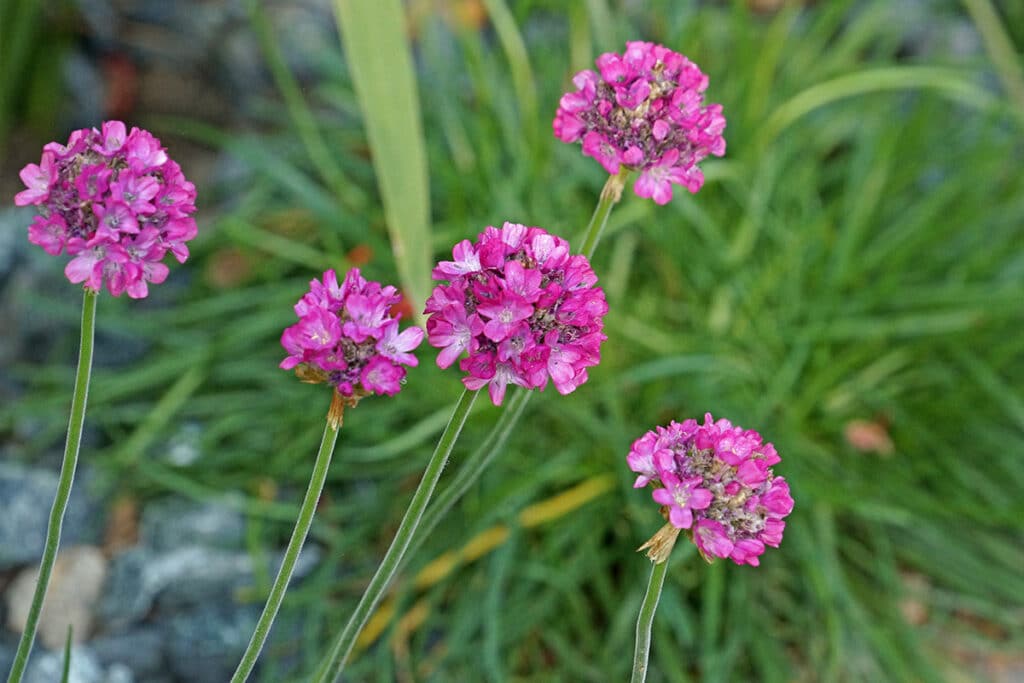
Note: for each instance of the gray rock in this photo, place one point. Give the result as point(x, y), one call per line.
point(204, 645)
point(27, 494)
point(47, 667)
point(126, 597)
point(118, 673)
point(195, 576)
point(14, 222)
point(183, 449)
point(87, 90)
point(71, 596)
point(140, 650)
point(305, 32)
point(7, 651)
point(175, 522)
point(180, 579)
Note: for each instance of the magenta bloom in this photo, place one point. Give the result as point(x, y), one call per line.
point(644, 110)
point(115, 202)
point(347, 337)
point(524, 309)
point(716, 481)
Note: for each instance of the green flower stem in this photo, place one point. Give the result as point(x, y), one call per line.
point(332, 666)
point(646, 619)
point(610, 195)
point(67, 477)
point(478, 462)
point(472, 468)
point(291, 555)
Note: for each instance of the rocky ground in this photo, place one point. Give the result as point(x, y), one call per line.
point(160, 591)
point(160, 597)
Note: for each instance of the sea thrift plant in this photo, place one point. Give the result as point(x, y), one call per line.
point(113, 200)
point(715, 481)
point(523, 308)
point(117, 204)
point(644, 110)
point(347, 337)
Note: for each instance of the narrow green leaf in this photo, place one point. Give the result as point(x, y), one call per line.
point(67, 656)
point(382, 71)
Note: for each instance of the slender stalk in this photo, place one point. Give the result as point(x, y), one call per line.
point(646, 619)
point(482, 457)
point(291, 554)
point(331, 667)
point(472, 468)
point(67, 477)
point(611, 193)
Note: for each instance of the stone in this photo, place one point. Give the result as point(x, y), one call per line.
point(74, 590)
point(127, 597)
point(27, 494)
point(195, 576)
point(204, 645)
point(139, 650)
point(7, 651)
point(14, 222)
point(175, 522)
point(183, 449)
point(47, 667)
point(142, 580)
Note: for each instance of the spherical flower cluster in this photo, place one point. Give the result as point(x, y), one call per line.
point(644, 110)
point(347, 337)
point(116, 202)
point(715, 480)
point(522, 307)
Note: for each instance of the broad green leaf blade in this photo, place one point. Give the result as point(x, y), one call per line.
point(379, 57)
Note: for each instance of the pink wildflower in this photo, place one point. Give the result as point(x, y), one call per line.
point(345, 337)
point(115, 202)
point(644, 110)
point(715, 480)
point(524, 309)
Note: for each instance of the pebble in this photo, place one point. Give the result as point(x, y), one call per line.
point(27, 494)
point(175, 522)
point(142, 581)
point(139, 650)
point(47, 667)
point(205, 645)
point(74, 589)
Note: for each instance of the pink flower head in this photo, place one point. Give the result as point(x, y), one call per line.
point(645, 110)
point(523, 308)
point(347, 337)
point(114, 201)
point(715, 480)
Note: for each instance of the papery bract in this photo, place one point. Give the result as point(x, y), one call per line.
point(115, 202)
point(715, 480)
point(524, 309)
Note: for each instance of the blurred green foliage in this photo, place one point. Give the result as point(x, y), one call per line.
point(854, 262)
point(33, 40)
